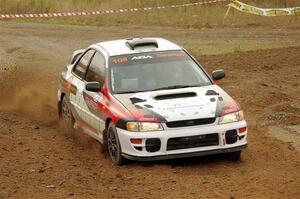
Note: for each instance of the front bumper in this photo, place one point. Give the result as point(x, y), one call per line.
point(139, 152)
point(185, 155)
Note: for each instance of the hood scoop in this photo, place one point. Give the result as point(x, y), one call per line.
point(175, 96)
point(211, 92)
point(135, 100)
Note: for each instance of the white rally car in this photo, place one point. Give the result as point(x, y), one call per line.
point(148, 99)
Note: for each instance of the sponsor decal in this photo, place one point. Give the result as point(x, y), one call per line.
point(120, 60)
point(142, 57)
point(161, 55)
point(73, 89)
point(91, 102)
point(176, 109)
point(149, 57)
point(190, 123)
point(70, 88)
point(95, 106)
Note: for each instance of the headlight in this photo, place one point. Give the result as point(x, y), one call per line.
point(144, 126)
point(232, 117)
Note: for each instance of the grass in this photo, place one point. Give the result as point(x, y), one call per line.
point(237, 48)
point(234, 46)
point(207, 16)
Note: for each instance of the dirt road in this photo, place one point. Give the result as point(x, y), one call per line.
point(38, 160)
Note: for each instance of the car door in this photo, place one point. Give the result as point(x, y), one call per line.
point(96, 73)
point(78, 86)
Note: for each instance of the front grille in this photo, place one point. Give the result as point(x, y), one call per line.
point(193, 141)
point(195, 122)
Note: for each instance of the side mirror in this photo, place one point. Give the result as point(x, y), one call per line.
point(218, 74)
point(93, 86)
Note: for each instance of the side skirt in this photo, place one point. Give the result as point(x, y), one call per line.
point(88, 131)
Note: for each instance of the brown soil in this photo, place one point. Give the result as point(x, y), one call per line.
point(38, 160)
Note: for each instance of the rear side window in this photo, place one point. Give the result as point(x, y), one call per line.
point(83, 63)
point(96, 71)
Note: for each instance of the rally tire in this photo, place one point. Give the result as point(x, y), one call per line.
point(66, 115)
point(114, 149)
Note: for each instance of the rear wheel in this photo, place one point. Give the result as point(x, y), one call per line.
point(113, 145)
point(66, 115)
point(234, 156)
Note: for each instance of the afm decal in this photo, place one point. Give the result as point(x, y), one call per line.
point(142, 57)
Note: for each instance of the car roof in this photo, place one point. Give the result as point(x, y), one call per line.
point(127, 46)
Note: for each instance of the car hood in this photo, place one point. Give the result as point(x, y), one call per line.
point(176, 105)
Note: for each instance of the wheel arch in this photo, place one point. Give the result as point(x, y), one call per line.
point(107, 122)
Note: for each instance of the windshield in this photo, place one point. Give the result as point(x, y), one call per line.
point(155, 71)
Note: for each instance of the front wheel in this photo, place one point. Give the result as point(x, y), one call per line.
point(113, 145)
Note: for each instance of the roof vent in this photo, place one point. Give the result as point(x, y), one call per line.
point(142, 43)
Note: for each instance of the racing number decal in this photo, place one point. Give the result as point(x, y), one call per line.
point(120, 60)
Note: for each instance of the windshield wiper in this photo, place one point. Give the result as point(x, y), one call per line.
point(175, 87)
point(162, 88)
point(126, 92)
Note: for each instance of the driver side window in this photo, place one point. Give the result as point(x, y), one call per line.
point(96, 71)
point(82, 65)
